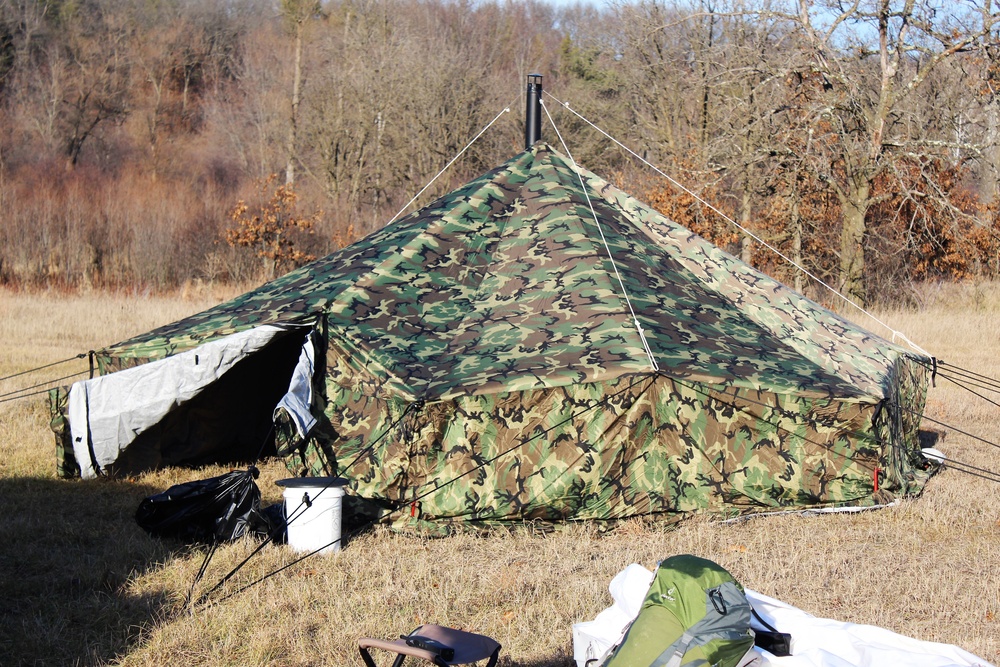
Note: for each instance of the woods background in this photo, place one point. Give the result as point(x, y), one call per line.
point(147, 144)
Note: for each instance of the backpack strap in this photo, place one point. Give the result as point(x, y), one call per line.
point(674, 653)
point(761, 620)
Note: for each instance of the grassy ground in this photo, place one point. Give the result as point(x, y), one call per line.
point(80, 583)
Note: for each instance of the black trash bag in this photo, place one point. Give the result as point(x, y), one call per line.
point(218, 509)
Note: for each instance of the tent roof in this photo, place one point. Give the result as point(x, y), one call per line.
point(505, 284)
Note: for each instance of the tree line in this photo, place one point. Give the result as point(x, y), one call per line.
point(150, 144)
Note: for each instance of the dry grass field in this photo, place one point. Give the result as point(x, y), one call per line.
point(81, 584)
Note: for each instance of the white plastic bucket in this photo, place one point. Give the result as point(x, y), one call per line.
point(313, 511)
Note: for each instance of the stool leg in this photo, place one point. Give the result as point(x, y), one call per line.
point(366, 657)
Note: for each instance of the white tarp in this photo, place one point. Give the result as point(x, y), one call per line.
point(593, 639)
point(816, 642)
point(106, 413)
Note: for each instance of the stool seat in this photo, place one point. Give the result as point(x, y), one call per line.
point(468, 647)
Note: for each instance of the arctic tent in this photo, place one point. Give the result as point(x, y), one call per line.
point(536, 344)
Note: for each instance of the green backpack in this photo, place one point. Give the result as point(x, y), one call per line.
point(695, 614)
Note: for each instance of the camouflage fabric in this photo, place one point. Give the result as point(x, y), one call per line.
point(66, 465)
point(637, 445)
point(483, 365)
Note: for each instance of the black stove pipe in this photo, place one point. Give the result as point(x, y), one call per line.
point(533, 111)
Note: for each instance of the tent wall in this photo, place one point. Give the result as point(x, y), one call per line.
point(898, 424)
point(636, 445)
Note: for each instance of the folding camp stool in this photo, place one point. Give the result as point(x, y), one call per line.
point(468, 647)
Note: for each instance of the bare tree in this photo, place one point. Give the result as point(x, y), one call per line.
point(94, 48)
point(296, 13)
point(662, 61)
point(864, 62)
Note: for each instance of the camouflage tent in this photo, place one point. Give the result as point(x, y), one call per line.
point(534, 345)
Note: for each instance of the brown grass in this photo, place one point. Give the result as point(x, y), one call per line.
point(80, 583)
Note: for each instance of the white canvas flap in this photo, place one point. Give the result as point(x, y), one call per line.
point(106, 413)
